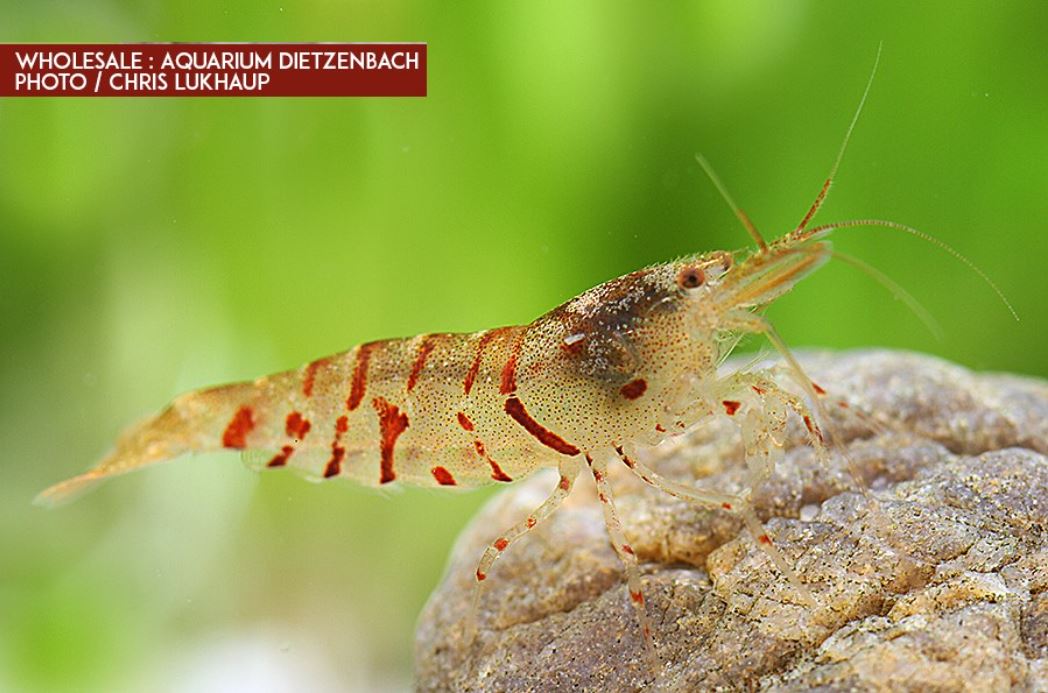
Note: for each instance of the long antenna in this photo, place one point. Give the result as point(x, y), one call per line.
point(854, 223)
point(896, 290)
point(743, 217)
point(821, 197)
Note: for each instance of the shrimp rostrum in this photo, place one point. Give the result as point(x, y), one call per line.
point(630, 362)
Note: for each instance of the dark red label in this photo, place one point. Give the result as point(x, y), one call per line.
point(213, 69)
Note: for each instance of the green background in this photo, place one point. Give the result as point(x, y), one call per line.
point(150, 246)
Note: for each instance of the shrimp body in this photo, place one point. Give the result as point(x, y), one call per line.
point(456, 409)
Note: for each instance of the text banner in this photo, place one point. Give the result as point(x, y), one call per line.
point(213, 69)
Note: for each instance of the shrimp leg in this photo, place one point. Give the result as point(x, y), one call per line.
point(599, 468)
point(731, 502)
point(764, 406)
point(569, 470)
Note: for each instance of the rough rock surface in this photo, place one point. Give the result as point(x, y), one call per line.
point(936, 580)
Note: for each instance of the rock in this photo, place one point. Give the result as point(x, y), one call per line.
point(936, 577)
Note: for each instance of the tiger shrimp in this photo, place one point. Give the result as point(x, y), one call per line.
point(630, 362)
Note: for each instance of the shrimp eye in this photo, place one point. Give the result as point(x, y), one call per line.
point(690, 278)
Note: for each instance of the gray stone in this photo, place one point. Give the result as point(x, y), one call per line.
point(931, 575)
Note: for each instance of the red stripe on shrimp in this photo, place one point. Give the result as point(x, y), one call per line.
point(391, 422)
point(280, 459)
point(515, 408)
point(474, 368)
point(428, 342)
point(296, 426)
point(242, 423)
point(508, 383)
point(310, 377)
point(443, 476)
point(496, 471)
point(634, 388)
point(338, 453)
point(360, 375)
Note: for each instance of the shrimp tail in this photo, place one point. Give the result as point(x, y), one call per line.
point(191, 423)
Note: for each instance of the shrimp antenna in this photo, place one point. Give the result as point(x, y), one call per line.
point(821, 197)
point(896, 290)
point(743, 217)
point(853, 223)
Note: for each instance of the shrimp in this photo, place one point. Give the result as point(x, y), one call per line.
point(630, 362)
